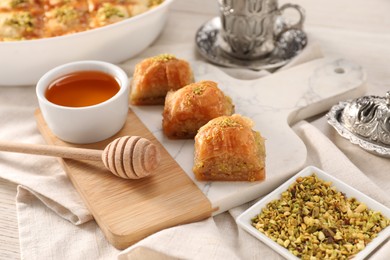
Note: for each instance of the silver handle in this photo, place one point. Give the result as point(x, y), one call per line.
point(301, 11)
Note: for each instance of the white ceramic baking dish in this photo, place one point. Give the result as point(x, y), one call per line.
point(24, 62)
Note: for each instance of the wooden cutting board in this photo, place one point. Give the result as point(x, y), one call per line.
point(128, 211)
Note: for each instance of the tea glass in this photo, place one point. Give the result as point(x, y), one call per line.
point(249, 26)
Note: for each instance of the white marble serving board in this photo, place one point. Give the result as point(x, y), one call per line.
point(274, 103)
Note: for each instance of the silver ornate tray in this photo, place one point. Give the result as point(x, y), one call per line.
point(364, 121)
point(289, 44)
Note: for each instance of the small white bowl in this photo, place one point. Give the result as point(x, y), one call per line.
point(244, 220)
point(87, 124)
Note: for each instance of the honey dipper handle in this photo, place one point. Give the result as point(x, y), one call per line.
point(49, 150)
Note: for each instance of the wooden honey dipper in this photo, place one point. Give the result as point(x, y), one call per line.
point(128, 157)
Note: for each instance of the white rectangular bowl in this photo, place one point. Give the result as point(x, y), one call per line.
point(244, 220)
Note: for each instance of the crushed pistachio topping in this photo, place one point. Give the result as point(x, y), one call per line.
point(315, 221)
point(23, 20)
point(16, 3)
point(108, 11)
point(164, 57)
point(65, 14)
point(228, 122)
point(198, 90)
point(154, 2)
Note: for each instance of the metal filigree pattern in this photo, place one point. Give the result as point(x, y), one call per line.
point(364, 121)
point(248, 27)
point(368, 117)
point(289, 45)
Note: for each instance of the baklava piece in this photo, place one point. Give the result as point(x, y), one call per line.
point(192, 106)
point(18, 5)
point(155, 76)
point(78, 4)
point(20, 25)
point(134, 6)
point(227, 149)
point(141, 6)
point(108, 13)
point(65, 19)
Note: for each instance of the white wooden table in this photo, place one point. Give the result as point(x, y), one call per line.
point(356, 30)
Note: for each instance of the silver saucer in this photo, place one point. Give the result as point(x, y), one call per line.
point(288, 45)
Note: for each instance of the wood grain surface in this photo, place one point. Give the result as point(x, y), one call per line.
point(129, 210)
point(9, 237)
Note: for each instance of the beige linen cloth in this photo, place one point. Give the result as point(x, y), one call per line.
point(55, 224)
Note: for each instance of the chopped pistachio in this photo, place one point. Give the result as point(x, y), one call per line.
point(65, 14)
point(154, 2)
point(361, 208)
point(108, 10)
point(22, 20)
point(315, 221)
point(164, 57)
point(321, 236)
point(17, 3)
point(228, 122)
point(198, 90)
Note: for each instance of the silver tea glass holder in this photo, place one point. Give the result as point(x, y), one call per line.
point(251, 34)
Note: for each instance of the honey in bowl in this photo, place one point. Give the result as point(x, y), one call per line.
point(82, 88)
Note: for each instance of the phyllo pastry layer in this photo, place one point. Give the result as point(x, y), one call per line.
point(227, 149)
point(155, 76)
point(192, 106)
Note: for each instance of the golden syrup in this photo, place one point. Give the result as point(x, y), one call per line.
point(82, 88)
